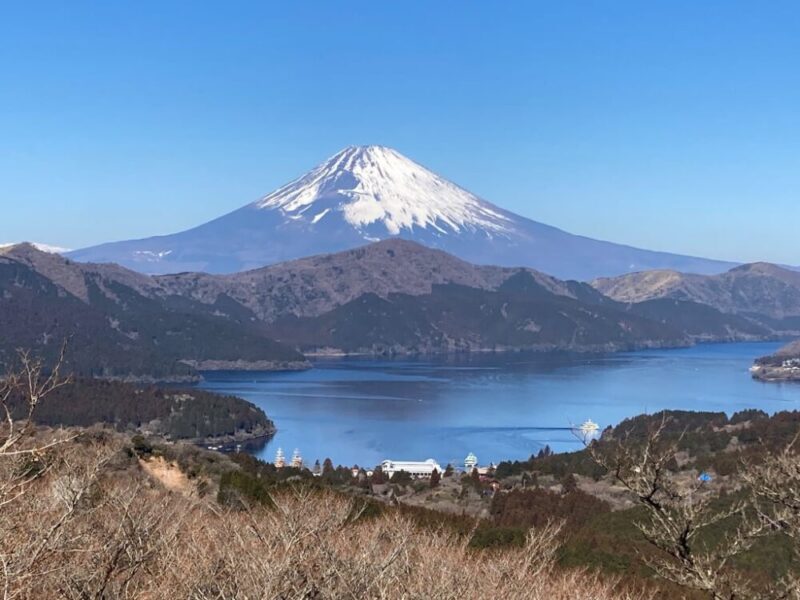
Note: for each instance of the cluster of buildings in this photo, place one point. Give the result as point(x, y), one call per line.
point(417, 469)
point(424, 469)
point(791, 363)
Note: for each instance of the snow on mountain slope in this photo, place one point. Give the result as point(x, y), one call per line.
point(43, 247)
point(372, 184)
point(371, 193)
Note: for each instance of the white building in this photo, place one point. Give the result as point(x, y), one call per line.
point(280, 459)
point(297, 460)
point(413, 468)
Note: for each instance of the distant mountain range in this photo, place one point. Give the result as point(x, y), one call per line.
point(763, 292)
point(372, 193)
point(764, 295)
point(39, 246)
point(310, 287)
point(399, 296)
point(118, 324)
point(390, 297)
point(519, 314)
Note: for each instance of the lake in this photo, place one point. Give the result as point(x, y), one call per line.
point(499, 406)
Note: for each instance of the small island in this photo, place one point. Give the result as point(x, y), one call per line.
point(784, 365)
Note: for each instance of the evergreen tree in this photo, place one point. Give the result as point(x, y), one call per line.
point(377, 476)
point(401, 478)
point(569, 484)
point(328, 472)
point(343, 475)
point(476, 479)
point(363, 480)
point(435, 478)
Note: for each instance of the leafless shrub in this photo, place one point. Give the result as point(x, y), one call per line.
point(21, 457)
point(118, 535)
point(681, 510)
point(310, 547)
point(33, 382)
point(774, 486)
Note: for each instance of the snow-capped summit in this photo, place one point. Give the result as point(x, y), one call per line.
point(371, 185)
point(42, 247)
point(370, 193)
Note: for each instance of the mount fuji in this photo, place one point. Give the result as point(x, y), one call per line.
point(365, 194)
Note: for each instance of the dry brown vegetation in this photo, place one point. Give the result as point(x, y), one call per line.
point(82, 516)
point(94, 525)
point(81, 519)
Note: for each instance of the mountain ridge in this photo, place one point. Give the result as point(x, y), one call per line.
point(389, 297)
point(303, 301)
point(519, 315)
point(312, 285)
point(760, 288)
point(118, 324)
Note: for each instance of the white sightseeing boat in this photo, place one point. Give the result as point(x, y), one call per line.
point(587, 430)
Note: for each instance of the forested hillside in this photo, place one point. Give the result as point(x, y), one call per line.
point(116, 325)
point(175, 414)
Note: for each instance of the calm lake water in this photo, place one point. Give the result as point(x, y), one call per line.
point(499, 406)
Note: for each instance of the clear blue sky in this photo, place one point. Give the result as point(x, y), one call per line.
point(667, 125)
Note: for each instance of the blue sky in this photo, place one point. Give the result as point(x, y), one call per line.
point(666, 125)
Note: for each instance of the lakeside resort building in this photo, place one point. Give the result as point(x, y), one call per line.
point(414, 468)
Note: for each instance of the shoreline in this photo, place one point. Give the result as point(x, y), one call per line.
point(209, 366)
point(229, 443)
point(769, 374)
point(248, 365)
point(534, 349)
point(608, 348)
point(269, 366)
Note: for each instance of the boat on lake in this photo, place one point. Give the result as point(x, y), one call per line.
point(588, 430)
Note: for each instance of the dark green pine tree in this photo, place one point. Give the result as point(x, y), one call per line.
point(328, 471)
point(476, 479)
point(435, 478)
point(569, 484)
point(378, 477)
